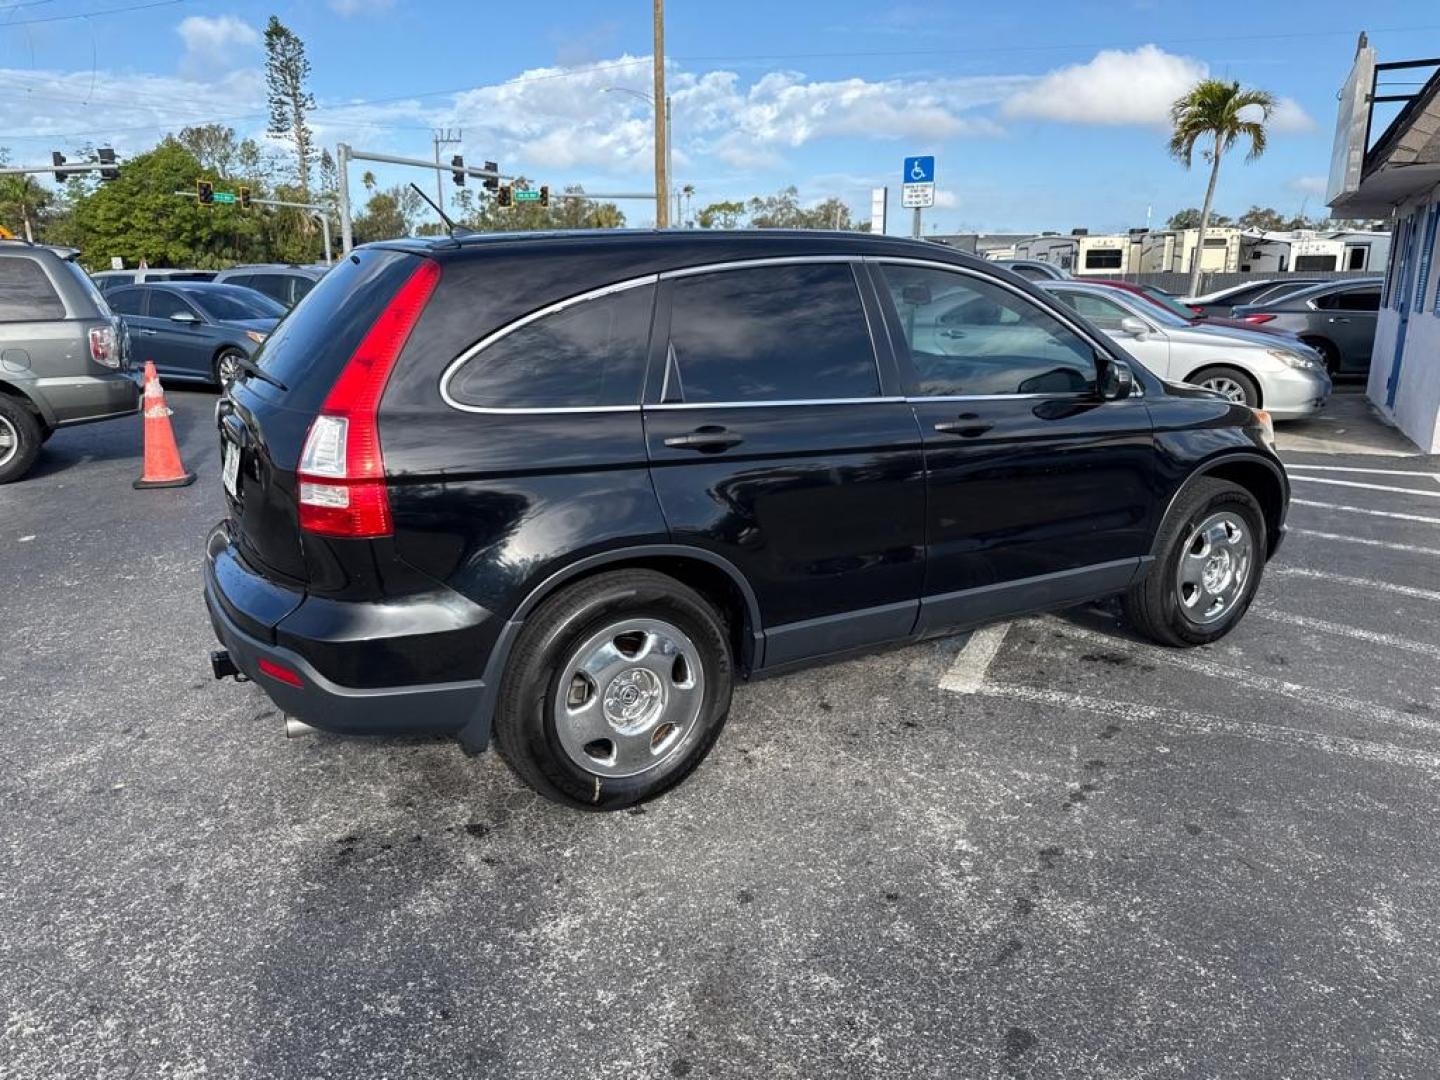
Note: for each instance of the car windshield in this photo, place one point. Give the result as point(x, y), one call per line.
point(237, 304)
point(1168, 302)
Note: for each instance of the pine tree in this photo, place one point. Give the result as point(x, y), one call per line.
point(287, 72)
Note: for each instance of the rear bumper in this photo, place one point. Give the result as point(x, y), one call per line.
point(411, 709)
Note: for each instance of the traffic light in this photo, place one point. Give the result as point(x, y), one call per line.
point(544, 194)
point(492, 182)
point(107, 158)
point(502, 196)
point(57, 159)
point(458, 164)
point(206, 190)
point(244, 198)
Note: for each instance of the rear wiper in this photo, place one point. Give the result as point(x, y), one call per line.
point(251, 368)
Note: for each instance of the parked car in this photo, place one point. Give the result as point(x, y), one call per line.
point(1286, 378)
point(197, 331)
point(1221, 301)
point(63, 354)
point(566, 489)
point(109, 280)
point(1336, 319)
point(1163, 300)
point(1033, 269)
point(286, 284)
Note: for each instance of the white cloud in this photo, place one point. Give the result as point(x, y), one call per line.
point(946, 200)
point(1116, 87)
point(1289, 118)
point(214, 46)
point(1308, 185)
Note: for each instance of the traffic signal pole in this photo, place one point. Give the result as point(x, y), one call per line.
point(321, 212)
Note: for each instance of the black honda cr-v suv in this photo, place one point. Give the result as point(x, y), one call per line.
point(567, 488)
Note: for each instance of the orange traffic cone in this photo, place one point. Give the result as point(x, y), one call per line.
point(162, 456)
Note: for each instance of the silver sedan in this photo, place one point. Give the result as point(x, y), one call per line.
point(1287, 378)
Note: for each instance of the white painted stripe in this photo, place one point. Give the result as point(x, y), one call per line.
point(1368, 487)
point(1324, 699)
point(1186, 722)
point(1392, 641)
point(967, 672)
point(1358, 582)
point(1363, 510)
point(1411, 548)
point(1354, 469)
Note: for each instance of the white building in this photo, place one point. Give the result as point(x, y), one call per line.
point(1397, 174)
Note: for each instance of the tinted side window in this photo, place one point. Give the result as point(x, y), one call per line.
point(588, 354)
point(26, 293)
point(1104, 259)
point(1031, 273)
point(127, 301)
point(1102, 312)
point(164, 303)
point(967, 336)
point(239, 279)
point(302, 287)
point(275, 286)
point(1359, 300)
point(772, 333)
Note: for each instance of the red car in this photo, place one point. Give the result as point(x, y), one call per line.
point(1160, 298)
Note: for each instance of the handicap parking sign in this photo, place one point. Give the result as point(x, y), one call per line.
point(919, 170)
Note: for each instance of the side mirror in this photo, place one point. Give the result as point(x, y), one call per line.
point(184, 317)
point(1133, 326)
point(1116, 380)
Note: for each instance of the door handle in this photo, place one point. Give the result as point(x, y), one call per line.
point(967, 426)
point(1334, 318)
point(145, 333)
point(710, 439)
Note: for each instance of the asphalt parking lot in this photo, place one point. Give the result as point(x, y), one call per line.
point(1049, 850)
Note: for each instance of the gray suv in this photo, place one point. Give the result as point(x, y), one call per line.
point(64, 356)
point(289, 284)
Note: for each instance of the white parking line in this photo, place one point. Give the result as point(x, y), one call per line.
point(1411, 548)
point(1365, 710)
point(1358, 582)
point(967, 671)
point(1195, 723)
point(1392, 641)
point(1363, 510)
point(1368, 487)
point(1355, 469)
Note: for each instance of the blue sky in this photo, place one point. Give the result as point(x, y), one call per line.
point(1042, 115)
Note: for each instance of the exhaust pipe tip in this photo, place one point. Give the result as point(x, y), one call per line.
point(298, 729)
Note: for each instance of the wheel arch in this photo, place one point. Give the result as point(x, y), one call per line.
point(712, 576)
point(1230, 365)
point(10, 390)
point(1261, 477)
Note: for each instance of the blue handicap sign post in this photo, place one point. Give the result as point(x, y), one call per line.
point(919, 170)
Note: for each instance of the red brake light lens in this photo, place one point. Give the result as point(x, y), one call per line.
point(342, 470)
point(104, 346)
point(280, 673)
point(1258, 318)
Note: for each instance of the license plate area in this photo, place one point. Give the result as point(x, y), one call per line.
point(230, 468)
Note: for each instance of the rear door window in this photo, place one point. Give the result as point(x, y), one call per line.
point(26, 294)
point(128, 301)
point(585, 355)
point(771, 333)
point(1101, 311)
point(164, 303)
point(275, 286)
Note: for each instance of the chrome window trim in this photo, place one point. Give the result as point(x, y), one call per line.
point(525, 320)
point(779, 403)
point(745, 264)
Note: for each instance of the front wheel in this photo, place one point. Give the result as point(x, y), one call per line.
point(1230, 383)
point(228, 367)
point(20, 438)
point(1209, 557)
point(617, 688)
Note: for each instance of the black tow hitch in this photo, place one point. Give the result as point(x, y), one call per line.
point(224, 668)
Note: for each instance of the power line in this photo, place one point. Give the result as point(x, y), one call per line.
point(92, 14)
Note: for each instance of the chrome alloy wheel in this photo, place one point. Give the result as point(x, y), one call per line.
point(228, 369)
point(1223, 384)
point(9, 441)
point(629, 697)
point(1215, 567)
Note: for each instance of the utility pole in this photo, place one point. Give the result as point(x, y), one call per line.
point(444, 137)
point(662, 181)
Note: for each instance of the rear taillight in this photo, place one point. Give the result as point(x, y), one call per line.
point(342, 472)
point(280, 673)
point(105, 346)
point(1258, 318)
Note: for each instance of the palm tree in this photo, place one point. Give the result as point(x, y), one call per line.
point(1224, 111)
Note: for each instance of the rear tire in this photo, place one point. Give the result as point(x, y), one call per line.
point(227, 368)
point(616, 690)
point(20, 439)
point(1218, 530)
point(1232, 382)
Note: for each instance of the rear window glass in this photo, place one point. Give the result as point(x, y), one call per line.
point(772, 333)
point(26, 293)
point(589, 354)
point(88, 284)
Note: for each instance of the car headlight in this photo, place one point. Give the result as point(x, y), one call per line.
point(1296, 360)
point(256, 336)
point(1267, 427)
